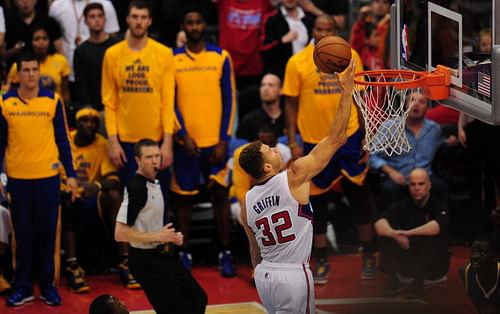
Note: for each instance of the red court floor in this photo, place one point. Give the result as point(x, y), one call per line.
point(344, 293)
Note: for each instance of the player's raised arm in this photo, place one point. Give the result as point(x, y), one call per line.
point(305, 168)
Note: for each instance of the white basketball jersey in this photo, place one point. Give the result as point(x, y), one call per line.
point(282, 227)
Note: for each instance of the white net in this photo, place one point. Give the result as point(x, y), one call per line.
point(385, 108)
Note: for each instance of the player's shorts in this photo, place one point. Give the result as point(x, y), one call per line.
point(83, 212)
point(189, 171)
point(345, 163)
point(285, 288)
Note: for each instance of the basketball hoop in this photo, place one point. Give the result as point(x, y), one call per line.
point(383, 97)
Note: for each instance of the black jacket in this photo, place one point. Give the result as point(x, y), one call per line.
point(275, 54)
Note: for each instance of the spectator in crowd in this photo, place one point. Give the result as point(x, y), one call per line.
point(204, 88)
point(138, 96)
point(485, 40)
point(240, 23)
point(268, 114)
point(168, 19)
point(287, 30)
point(482, 142)
point(370, 54)
point(337, 9)
point(54, 68)
point(425, 138)
point(87, 61)
point(107, 304)
point(5, 231)
point(414, 237)
point(310, 102)
point(20, 22)
point(378, 13)
point(141, 222)
point(70, 15)
point(481, 276)
point(33, 140)
point(99, 193)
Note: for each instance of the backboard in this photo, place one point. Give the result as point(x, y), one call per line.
point(447, 32)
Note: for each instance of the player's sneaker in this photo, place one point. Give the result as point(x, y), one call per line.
point(4, 286)
point(226, 264)
point(186, 260)
point(321, 271)
point(19, 297)
point(369, 270)
point(126, 277)
point(50, 296)
point(76, 279)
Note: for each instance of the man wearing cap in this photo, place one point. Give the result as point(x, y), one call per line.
point(99, 194)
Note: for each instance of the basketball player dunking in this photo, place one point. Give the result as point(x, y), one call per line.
point(277, 215)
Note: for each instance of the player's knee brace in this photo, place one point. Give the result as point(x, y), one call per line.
point(320, 212)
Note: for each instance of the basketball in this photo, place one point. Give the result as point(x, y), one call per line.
point(332, 54)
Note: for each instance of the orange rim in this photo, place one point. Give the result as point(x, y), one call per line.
point(411, 79)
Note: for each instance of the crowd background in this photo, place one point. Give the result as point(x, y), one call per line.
point(259, 37)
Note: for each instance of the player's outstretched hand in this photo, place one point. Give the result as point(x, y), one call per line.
point(346, 81)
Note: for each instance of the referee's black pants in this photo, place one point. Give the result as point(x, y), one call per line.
point(169, 287)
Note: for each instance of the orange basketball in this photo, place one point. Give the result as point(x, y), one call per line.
point(332, 54)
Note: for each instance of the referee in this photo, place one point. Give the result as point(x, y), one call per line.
point(141, 222)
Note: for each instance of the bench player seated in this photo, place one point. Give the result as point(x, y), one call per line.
point(99, 196)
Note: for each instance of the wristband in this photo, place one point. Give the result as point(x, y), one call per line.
point(292, 145)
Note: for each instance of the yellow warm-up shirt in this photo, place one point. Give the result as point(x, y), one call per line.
point(91, 162)
point(34, 136)
point(138, 91)
point(319, 95)
point(205, 94)
point(52, 71)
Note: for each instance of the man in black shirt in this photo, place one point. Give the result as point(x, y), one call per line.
point(414, 237)
point(87, 61)
point(269, 114)
point(19, 24)
point(141, 221)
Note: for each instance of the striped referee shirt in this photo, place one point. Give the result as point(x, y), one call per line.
point(142, 208)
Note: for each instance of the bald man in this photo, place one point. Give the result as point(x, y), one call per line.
point(269, 114)
point(413, 235)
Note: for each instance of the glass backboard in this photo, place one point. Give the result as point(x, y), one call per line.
point(452, 33)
